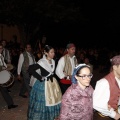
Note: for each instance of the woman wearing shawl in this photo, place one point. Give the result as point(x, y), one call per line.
point(45, 96)
point(77, 103)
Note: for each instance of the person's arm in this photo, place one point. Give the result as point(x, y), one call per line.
point(60, 67)
point(101, 97)
point(66, 106)
point(20, 62)
point(32, 71)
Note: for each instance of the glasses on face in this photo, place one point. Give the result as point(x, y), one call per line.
point(85, 76)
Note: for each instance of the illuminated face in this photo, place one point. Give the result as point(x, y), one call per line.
point(84, 77)
point(116, 69)
point(51, 54)
point(4, 43)
point(28, 48)
point(71, 51)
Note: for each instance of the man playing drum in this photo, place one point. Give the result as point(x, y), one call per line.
point(7, 58)
point(4, 90)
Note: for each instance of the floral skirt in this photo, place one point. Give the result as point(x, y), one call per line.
point(37, 109)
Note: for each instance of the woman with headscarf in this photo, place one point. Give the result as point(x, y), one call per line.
point(77, 103)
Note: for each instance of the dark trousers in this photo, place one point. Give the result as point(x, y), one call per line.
point(97, 116)
point(8, 99)
point(64, 87)
point(25, 85)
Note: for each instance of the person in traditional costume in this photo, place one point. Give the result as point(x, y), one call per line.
point(77, 101)
point(45, 95)
point(106, 96)
point(65, 67)
point(26, 58)
point(3, 89)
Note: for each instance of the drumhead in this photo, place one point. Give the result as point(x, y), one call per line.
point(4, 76)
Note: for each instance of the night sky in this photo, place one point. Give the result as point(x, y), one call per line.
point(85, 23)
point(101, 30)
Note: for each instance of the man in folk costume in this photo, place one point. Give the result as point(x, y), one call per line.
point(6, 53)
point(25, 59)
point(65, 67)
point(8, 99)
point(7, 57)
point(106, 96)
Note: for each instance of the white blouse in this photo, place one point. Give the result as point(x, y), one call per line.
point(101, 97)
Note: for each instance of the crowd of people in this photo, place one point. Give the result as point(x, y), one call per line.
point(58, 84)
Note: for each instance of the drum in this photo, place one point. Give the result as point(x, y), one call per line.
point(10, 67)
point(6, 78)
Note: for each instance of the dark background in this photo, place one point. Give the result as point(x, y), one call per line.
point(86, 23)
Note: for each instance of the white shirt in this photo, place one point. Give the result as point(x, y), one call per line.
point(60, 67)
point(101, 97)
point(7, 56)
point(21, 60)
point(2, 63)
